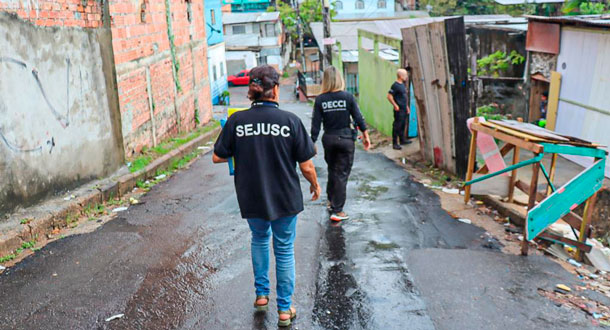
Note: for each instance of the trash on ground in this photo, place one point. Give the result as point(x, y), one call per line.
point(479, 202)
point(468, 221)
point(574, 263)
point(120, 209)
point(2, 268)
point(558, 251)
point(203, 148)
point(133, 201)
point(114, 317)
point(69, 197)
point(564, 287)
point(599, 255)
point(160, 177)
point(453, 191)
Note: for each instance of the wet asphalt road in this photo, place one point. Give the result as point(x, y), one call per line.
point(181, 261)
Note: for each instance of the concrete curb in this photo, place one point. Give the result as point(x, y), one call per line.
point(52, 213)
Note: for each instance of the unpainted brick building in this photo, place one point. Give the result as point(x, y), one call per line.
point(160, 59)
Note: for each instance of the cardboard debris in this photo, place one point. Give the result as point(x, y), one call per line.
point(597, 257)
point(558, 251)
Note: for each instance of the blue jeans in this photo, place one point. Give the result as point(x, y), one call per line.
point(284, 232)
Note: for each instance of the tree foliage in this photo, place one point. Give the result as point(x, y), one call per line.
point(310, 11)
point(497, 63)
point(481, 7)
point(580, 7)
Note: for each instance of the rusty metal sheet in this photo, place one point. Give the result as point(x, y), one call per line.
point(543, 37)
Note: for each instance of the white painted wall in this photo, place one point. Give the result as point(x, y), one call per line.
point(217, 70)
point(585, 70)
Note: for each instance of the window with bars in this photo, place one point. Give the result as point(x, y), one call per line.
point(359, 4)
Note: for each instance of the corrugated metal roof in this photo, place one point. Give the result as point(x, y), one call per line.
point(584, 20)
point(240, 18)
point(365, 16)
point(347, 32)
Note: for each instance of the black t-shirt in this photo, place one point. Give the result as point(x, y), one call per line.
point(334, 109)
point(266, 143)
point(399, 92)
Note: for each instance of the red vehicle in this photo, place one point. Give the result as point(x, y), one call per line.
point(242, 78)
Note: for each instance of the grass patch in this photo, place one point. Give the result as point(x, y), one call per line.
point(25, 221)
point(24, 246)
point(8, 258)
point(163, 148)
point(139, 163)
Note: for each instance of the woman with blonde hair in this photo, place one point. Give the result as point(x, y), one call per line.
point(334, 109)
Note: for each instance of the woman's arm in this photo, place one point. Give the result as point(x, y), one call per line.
point(316, 121)
point(357, 115)
point(309, 172)
point(366, 140)
point(216, 159)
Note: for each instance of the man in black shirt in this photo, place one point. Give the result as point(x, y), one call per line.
point(399, 98)
point(267, 144)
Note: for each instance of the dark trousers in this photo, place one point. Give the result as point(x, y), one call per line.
point(400, 128)
point(339, 156)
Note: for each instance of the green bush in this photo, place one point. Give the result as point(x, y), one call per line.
point(498, 63)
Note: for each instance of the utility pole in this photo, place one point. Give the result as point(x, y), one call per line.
point(300, 33)
point(328, 47)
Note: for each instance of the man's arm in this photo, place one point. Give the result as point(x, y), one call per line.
point(309, 172)
point(391, 99)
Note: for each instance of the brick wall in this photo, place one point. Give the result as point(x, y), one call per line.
point(151, 78)
point(86, 13)
point(178, 78)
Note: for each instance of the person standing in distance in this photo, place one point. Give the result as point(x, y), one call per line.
point(335, 108)
point(267, 144)
point(398, 97)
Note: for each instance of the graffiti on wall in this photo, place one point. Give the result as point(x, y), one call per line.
point(63, 119)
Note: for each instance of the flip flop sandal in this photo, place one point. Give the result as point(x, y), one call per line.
point(261, 308)
point(284, 323)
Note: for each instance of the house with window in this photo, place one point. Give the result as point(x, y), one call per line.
point(363, 8)
point(253, 39)
point(247, 6)
point(217, 66)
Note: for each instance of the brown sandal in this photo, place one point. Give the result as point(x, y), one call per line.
point(261, 308)
point(293, 314)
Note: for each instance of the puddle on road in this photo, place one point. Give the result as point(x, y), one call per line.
point(339, 302)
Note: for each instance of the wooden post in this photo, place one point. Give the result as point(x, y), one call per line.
point(530, 204)
point(552, 174)
point(472, 157)
point(586, 218)
point(513, 178)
